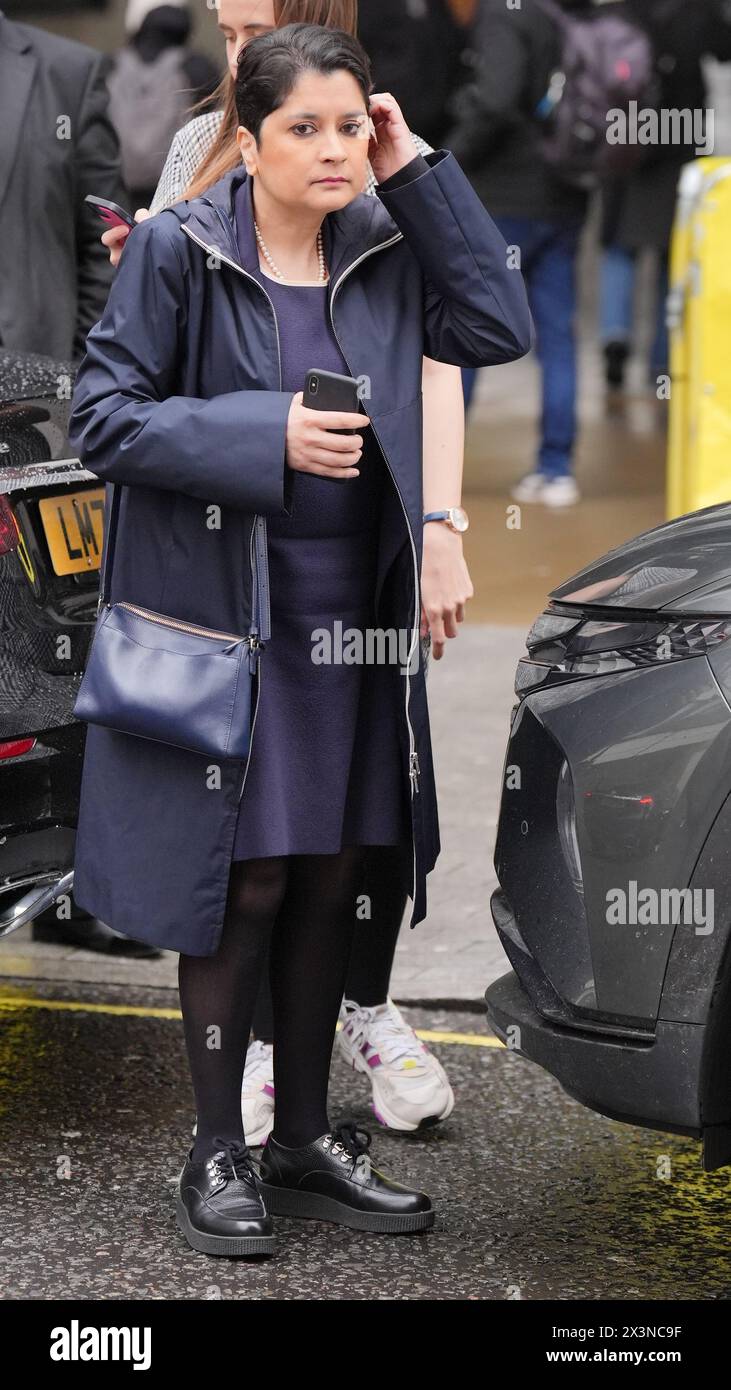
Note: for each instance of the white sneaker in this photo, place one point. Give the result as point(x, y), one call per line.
point(560, 491)
point(529, 488)
point(257, 1093)
point(410, 1087)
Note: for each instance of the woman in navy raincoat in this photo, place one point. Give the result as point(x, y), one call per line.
point(181, 398)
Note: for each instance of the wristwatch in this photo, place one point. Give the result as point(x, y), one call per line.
point(456, 518)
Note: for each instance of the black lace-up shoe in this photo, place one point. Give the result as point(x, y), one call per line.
point(219, 1208)
point(332, 1179)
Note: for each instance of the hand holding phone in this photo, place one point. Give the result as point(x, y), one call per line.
point(111, 213)
point(330, 391)
point(326, 443)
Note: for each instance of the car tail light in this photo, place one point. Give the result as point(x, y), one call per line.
point(563, 646)
point(9, 533)
point(15, 747)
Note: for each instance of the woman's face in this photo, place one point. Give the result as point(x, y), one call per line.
point(243, 20)
point(313, 150)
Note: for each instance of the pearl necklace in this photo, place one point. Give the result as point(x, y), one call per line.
point(323, 275)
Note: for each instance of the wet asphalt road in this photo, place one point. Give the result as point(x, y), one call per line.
point(536, 1197)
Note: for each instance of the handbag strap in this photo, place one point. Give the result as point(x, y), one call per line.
point(110, 545)
point(260, 594)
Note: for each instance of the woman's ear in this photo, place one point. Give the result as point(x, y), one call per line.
point(247, 148)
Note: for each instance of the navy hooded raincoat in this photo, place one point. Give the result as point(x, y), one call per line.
point(179, 398)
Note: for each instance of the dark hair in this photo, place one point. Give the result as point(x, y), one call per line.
point(270, 65)
point(223, 156)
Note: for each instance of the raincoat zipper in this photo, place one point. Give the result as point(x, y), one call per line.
point(414, 769)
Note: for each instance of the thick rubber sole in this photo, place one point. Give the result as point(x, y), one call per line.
point(391, 1121)
point(234, 1246)
point(288, 1201)
point(387, 1117)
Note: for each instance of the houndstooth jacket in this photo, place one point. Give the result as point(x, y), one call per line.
point(190, 145)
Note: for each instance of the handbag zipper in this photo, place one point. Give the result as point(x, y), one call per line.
point(178, 622)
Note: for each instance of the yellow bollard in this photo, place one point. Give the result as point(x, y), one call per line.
point(699, 317)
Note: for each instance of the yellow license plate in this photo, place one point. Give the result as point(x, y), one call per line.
point(74, 527)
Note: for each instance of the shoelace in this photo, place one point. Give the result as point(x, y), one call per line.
point(389, 1035)
point(232, 1161)
point(346, 1143)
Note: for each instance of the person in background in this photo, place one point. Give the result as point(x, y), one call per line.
point(57, 144)
point(638, 210)
point(415, 47)
point(496, 140)
point(155, 79)
point(409, 1085)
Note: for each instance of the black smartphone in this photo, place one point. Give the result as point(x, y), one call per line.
point(110, 212)
point(329, 391)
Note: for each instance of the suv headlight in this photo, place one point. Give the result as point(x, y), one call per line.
point(563, 646)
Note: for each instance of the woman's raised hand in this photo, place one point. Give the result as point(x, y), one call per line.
point(392, 146)
point(312, 448)
point(116, 237)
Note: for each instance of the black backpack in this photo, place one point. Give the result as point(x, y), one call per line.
point(607, 62)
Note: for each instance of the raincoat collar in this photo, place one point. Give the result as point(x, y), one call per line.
point(347, 233)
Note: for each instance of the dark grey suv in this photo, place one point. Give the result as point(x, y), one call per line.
point(613, 850)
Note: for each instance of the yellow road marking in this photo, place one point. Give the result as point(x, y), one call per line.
point(466, 1039)
point(12, 1002)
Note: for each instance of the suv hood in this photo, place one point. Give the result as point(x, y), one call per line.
point(683, 565)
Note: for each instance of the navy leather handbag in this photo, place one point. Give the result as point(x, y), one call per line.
point(172, 681)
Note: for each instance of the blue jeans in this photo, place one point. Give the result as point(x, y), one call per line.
point(618, 275)
point(548, 262)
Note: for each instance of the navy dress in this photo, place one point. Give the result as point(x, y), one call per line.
point(326, 767)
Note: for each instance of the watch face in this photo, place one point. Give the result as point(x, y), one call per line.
point(459, 519)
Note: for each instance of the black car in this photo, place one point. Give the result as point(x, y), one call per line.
point(613, 850)
point(51, 532)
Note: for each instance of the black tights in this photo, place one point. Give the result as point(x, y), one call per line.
point(301, 910)
point(374, 941)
